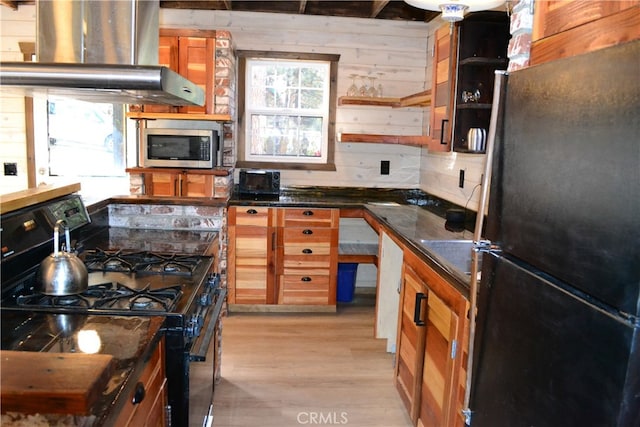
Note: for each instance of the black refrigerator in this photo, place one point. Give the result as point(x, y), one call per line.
point(557, 342)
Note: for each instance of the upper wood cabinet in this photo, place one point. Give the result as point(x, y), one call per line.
point(567, 28)
point(192, 54)
point(464, 63)
point(441, 93)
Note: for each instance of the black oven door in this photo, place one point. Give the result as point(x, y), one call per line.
point(204, 363)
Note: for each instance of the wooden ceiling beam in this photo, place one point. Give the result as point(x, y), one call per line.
point(377, 7)
point(10, 4)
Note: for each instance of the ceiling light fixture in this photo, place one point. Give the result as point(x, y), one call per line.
point(454, 10)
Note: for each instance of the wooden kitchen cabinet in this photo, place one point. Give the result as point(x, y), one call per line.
point(145, 407)
point(464, 64)
point(192, 54)
point(443, 68)
point(283, 256)
point(567, 28)
point(431, 346)
point(251, 255)
point(308, 256)
point(179, 184)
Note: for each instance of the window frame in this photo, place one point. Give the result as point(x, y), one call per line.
point(241, 161)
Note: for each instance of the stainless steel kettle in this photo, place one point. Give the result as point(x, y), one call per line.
point(476, 139)
point(63, 273)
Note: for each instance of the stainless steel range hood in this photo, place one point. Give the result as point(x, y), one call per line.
point(99, 51)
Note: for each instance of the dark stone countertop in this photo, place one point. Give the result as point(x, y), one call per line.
point(411, 225)
point(129, 339)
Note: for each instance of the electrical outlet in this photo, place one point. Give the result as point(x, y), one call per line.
point(461, 179)
point(384, 167)
point(11, 169)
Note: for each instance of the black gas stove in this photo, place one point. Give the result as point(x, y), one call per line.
point(122, 281)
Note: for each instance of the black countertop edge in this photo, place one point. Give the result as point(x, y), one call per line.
point(354, 197)
point(395, 225)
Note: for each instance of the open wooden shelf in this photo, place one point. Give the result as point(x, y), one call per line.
point(179, 116)
point(420, 99)
point(415, 140)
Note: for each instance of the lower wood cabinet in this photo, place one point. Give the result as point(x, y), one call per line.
point(145, 406)
point(286, 256)
point(431, 346)
point(308, 256)
point(179, 184)
point(251, 273)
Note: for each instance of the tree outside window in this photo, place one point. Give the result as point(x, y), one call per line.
point(287, 111)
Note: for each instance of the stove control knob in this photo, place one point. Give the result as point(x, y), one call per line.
point(194, 324)
point(205, 299)
point(213, 281)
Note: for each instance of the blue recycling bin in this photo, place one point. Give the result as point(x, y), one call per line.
point(346, 281)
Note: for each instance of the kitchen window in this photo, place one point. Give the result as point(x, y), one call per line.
point(85, 138)
point(83, 142)
point(287, 110)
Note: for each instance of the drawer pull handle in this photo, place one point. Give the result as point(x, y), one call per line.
point(305, 279)
point(138, 394)
point(307, 251)
point(252, 211)
point(307, 213)
point(307, 231)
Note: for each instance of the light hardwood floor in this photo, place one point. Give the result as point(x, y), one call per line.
point(281, 370)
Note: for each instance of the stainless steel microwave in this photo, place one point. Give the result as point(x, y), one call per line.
point(180, 148)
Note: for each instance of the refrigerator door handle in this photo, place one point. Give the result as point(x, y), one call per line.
point(418, 309)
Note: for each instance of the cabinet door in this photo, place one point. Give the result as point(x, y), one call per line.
point(145, 406)
point(438, 368)
point(438, 358)
point(441, 91)
point(251, 255)
point(567, 28)
point(196, 185)
point(162, 184)
point(411, 338)
point(197, 58)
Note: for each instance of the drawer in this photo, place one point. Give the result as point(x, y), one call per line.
point(304, 289)
point(307, 248)
point(319, 265)
point(249, 215)
point(309, 217)
point(308, 234)
point(305, 281)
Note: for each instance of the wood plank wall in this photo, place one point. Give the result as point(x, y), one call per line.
point(17, 26)
point(399, 50)
point(396, 49)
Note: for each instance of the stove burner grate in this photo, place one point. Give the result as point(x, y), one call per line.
point(111, 296)
point(140, 262)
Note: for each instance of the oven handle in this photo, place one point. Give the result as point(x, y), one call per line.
point(202, 342)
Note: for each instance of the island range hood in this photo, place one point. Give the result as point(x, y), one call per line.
point(99, 51)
